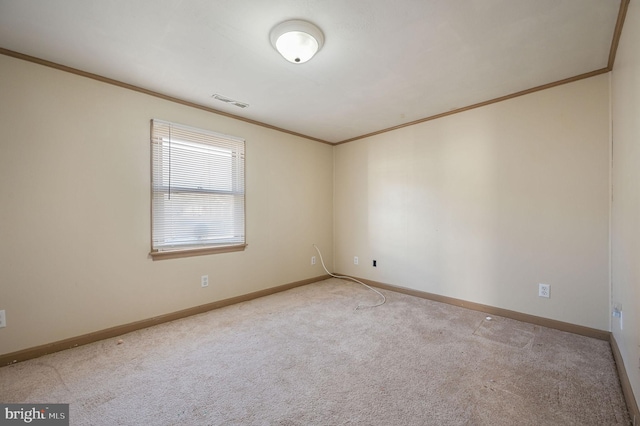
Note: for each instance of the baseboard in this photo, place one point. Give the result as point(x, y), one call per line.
point(532, 319)
point(630, 398)
point(108, 333)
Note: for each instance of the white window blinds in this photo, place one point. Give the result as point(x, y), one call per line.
point(197, 188)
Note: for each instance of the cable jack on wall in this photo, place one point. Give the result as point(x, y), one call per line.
point(360, 306)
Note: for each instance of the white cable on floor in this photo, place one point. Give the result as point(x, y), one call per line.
point(384, 299)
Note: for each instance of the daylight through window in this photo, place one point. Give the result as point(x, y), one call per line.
point(197, 190)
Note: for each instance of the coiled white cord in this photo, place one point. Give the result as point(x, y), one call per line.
point(384, 299)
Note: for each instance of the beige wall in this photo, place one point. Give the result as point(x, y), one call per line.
point(75, 209)
point(625, 229)
point(484, 205)
point(480, 206)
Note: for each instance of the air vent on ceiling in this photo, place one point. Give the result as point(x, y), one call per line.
point(229, 101)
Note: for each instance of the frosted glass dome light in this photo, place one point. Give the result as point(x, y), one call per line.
point(297, 41)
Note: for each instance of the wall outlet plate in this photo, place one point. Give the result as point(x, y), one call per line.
point(313, 260)
point(544, 290)
point(204, 281)
point(3, 318)
point(616, 312)
point(355, 260)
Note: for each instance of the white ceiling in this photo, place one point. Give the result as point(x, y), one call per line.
point(384, 63)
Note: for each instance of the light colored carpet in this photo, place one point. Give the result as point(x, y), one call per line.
point(305, 357)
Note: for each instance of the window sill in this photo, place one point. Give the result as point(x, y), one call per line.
point(174, 254)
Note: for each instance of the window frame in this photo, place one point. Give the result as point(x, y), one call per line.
point(237, 181)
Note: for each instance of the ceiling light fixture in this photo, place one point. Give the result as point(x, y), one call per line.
point(297, 41)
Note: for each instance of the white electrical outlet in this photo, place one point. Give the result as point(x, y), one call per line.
point(355, 260)
point(3, 319)
point(616, 312)
point(313, 260)
point(544, 290)
point(204, 281)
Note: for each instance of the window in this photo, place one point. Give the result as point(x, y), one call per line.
point(197, 187)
